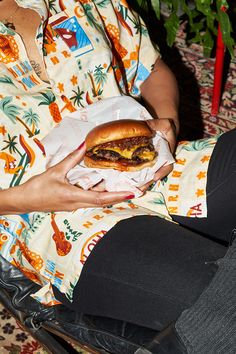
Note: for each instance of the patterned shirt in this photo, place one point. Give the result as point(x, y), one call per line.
point(91, 50)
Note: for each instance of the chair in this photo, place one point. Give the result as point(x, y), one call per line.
point(56, 327)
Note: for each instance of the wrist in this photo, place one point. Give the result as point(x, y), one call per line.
point(11, 202)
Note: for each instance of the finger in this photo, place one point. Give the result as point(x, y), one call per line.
point(163, 172)
point(101, 198)
point(146, 186)
point(72, 159)
point(153, 123)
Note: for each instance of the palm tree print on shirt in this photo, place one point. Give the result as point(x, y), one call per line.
point(12, 112)
point(78, 97)
point(32, 119)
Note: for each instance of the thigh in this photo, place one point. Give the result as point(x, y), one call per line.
point(146, 270)
point(221, 193)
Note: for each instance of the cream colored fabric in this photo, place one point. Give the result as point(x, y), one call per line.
point(92, 50)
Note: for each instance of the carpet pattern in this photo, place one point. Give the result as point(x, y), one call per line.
point(195, 77)
point(13, 339)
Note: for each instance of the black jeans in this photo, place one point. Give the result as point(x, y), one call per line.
point(147, 270)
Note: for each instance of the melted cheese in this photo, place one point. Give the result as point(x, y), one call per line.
point(147, 155)
point(127, 153)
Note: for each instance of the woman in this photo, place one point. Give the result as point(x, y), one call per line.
point(36, 93)
point(90, 52)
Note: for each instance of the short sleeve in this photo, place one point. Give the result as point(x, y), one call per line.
point(134, 54)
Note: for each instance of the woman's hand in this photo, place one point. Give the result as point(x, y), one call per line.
point(167, 127)
point(51, 191)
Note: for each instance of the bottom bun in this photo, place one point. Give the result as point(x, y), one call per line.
point(116, 165)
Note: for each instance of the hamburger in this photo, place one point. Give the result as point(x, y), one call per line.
point(124, 145)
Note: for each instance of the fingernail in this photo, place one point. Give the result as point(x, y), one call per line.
point(131, 196)
point(81, 145)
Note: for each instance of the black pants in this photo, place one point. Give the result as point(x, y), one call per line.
point(147, 270)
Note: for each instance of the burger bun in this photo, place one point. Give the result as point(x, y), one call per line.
point(117, 130)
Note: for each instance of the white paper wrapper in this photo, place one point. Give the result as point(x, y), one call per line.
point(71, 132)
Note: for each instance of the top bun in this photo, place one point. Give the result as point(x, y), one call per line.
point(116, 130)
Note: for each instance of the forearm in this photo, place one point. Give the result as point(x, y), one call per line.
point(160, 93)
point(10, 201)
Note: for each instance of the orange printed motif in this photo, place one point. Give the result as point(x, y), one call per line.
point(132, 205)
point(3, 238)
point(68, 104)
point(89, 245)
point(98, 217)
point(54, 111)
point(123, 22)
point(60, 87)
point(63, 246)
point(181, 161)
point(88, 98)
point(107, 211)
point(201, 174)
point(173, 210)
point(20, 229)
point(114, 34)
point(74, 80)
point(51, 303)
point(10, 163)
point(173, 198)
point(88, 224)
point(61, 4)
point(49, 43)
point(176, 174)
point(29, 151)
point(127, 64)
point(205, 158)
point(79, 12)
point(200, 192)
point(173, 187)
point(32, 257)
point(40, 145)
point(4, 223)
point(66, 54)
point(55, 60)
point(30, 274)
point(3, 130)
point(9, 51)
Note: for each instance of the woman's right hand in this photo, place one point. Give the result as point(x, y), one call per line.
point(51, 191)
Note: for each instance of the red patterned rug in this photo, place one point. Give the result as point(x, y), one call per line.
point(195, 77)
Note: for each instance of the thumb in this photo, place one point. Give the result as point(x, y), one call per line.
point(163, 172)
point(72, 159)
